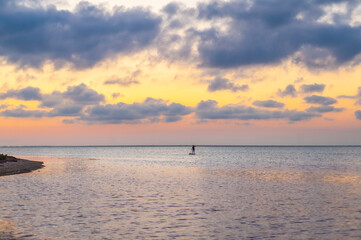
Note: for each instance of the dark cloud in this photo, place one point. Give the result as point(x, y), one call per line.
point(218, 84)
point(320, 100)
point(324, 109)
point(28, 93)
point(240, 33)
point(209, 110)
point(30, 36)
point(268, 104)
point(51, 100)
point(266, 32)
point(83, 104)
point(290, 90)
point(155, 109)
point(296, 116)
point(68, 103)
point(312, 88)
point(358, 114)
point(59, 111)
point(74, 95)
point(83, 95)
point(22, 113)
point(66, 110)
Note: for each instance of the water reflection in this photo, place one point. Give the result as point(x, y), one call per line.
point(7, 229)
point(109, 199)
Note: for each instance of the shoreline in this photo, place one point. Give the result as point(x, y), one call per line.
point(12, 166)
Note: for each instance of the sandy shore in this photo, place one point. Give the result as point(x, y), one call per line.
point(16, 166)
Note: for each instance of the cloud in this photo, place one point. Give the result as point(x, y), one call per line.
point(171, 8)
point(68, 121)
point(218, 84)
point(81, 104)
point(66, 110)
point(264, 32)
point(348, 97)
point(68, 103)
point(312, 88)
point(28, 93)
point(324, 109)
point(84, 105)
point(290, 90)
point(125, 81)
point(268, 104)
point(3, 106)
point(320, 100)
point(153, 109)
point(21, 113)
point(117, 94)
point(51, 100)
point(215, 34)
point(31, 36)
point(83, 95)
point(209, 110)
point(357, 96)
point(296, 116)
point(122, 82)
point(358, 114)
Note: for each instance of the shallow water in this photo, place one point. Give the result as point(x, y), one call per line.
point(163, 193)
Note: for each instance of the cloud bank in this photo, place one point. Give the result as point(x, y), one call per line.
point(209, 110)
point(267, 32)
point(81, 104)
point(215, 34)
point(30, 36)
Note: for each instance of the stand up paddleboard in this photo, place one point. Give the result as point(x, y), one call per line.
point(193, 150)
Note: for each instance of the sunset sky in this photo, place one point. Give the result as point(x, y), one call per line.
point(188, 72)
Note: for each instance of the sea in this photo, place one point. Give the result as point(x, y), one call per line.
point(162, 192)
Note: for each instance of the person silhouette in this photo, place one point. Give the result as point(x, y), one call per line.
point(193, 149)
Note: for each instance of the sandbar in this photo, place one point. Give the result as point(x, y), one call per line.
point(12, 165)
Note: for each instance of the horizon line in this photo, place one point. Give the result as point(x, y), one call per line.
point(187, 145)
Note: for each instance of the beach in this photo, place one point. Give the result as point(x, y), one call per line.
point(14, 165)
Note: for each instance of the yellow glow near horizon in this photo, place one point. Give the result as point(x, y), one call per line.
point(184, 84)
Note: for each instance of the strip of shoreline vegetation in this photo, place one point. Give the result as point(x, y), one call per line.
point(10, 165)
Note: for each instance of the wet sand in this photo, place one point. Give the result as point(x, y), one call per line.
point(16, 166)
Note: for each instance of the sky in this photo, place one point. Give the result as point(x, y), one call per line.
point(240, 72)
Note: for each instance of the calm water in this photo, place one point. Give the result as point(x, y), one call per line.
point(163, 193)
